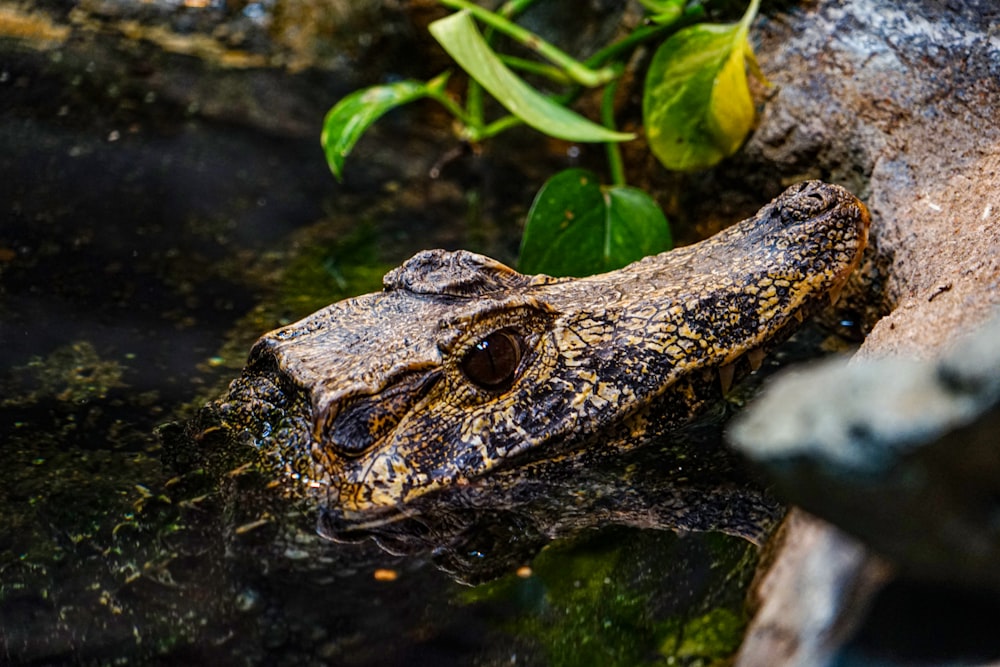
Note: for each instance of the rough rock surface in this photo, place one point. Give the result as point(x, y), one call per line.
point(898, 102)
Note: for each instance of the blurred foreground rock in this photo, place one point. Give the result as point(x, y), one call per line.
point(902, 453)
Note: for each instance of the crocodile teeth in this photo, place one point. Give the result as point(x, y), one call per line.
point(756, 359)
point(835, 294)
point(726, 374)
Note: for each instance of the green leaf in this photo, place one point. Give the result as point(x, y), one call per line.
point(350, 117)
point(459, 36)
point(697, 107)
point(576, 227)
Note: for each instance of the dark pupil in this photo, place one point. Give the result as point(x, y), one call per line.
point(493, 361)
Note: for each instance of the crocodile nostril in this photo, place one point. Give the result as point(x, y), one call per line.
point(816, 196)
point(810, 200)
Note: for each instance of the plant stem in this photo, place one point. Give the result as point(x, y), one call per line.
point(471, 117)
point(499, 125)
point(512, 8)
point(615, 165)
point(533, 67)
point(576, 70)
point(454, 108)
point(691, 15)
point(474, 105)
point(750, 14)
point(643, 34)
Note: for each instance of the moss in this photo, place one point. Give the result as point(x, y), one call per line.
point(313, 273)
point(598, 600)
point(704, 639)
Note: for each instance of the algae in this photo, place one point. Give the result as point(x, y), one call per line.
point(627, 597)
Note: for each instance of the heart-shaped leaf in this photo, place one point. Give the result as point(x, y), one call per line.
point(576, 227)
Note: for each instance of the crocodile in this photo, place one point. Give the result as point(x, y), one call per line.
point(462, 372)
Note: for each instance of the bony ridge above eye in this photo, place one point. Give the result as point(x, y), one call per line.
point(493, 362)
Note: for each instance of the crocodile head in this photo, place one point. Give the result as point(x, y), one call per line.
point(461, 366)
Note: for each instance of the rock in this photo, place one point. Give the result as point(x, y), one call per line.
point(899, 104)
point(273, 67)
point(904, 454)
point(820, 573)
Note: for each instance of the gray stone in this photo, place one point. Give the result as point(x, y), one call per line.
point(899, 104)
point(902, 453)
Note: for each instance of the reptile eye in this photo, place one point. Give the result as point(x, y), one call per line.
point(493, 361)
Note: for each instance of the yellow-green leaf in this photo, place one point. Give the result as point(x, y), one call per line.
point(697, 106)
point(459, 36)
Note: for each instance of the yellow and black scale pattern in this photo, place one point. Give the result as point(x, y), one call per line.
point(462, 366)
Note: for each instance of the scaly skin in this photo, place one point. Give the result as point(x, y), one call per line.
point(366, 404)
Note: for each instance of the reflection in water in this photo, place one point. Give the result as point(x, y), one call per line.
point(218, 566)
point(686, 481)
point(210, 561)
